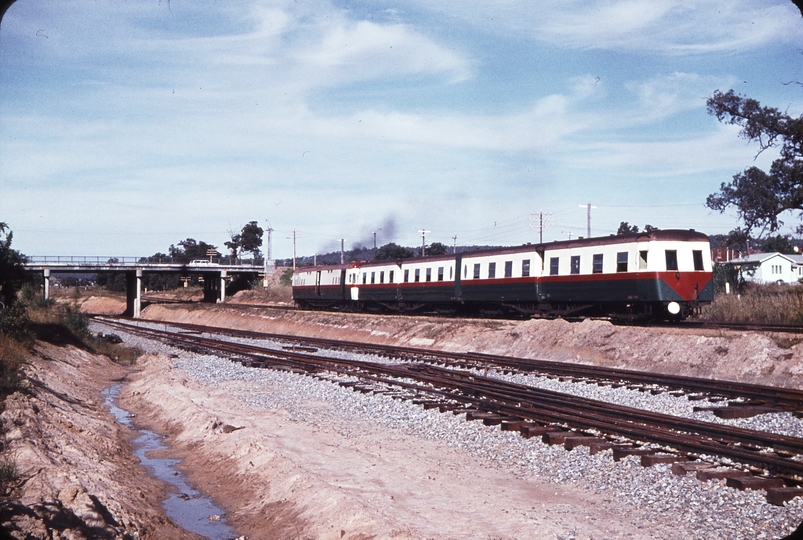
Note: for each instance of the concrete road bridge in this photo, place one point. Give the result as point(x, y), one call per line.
point(215, 272)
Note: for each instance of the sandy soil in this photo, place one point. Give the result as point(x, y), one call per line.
point(281, 478)
point(76, 475)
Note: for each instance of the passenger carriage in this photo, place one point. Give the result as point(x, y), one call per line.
point(661, 274)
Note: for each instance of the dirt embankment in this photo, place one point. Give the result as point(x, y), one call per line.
point(75, 475)
point(744, 357)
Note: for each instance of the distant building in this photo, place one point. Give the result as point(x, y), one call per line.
point(769, 267)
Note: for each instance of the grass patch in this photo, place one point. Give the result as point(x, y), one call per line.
point(758, 304)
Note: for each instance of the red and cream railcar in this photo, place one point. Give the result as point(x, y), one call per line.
point(661, 274)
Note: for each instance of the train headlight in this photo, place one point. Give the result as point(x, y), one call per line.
point(673, 308)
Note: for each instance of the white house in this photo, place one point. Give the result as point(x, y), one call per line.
point(770, 267)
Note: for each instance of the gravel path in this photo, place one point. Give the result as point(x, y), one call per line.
point(710, 509)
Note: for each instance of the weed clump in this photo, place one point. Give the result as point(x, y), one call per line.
point(758, 304)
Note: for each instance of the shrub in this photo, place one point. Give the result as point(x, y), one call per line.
point(759, 304)
point(287, 277)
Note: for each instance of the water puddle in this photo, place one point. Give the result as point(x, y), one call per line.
point(187, 508)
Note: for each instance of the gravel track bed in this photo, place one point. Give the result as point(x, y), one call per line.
point(709, 509)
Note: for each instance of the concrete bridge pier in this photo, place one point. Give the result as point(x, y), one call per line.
point(133, 293)
point(215, 286)
point(46, 273)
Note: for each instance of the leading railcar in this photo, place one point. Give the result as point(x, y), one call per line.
point(662, 274)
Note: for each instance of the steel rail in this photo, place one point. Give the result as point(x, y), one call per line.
point(540, 405)
point(782, 397)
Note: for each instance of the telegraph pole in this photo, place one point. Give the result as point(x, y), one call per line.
point(294, 249)
point(454, 244)
point(423, 241)
point(544, 221)
point(269, 230)
point(589, 207)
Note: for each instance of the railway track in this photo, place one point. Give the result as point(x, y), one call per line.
point(762, 460)
point(740, 399)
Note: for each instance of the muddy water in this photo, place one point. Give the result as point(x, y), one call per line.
point(186, 507)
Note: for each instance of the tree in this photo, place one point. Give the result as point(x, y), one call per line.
point(436, 248)
point(780, 244)
point(391, 251)
point(189, 250)
point(625, 228)
point(12, 273)
point(249, 239)
point(760, 197)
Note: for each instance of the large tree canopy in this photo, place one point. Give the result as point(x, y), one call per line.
point(248, 239)
point(12, 273)
point(760, 197)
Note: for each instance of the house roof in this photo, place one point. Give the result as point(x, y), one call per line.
point(760, 258)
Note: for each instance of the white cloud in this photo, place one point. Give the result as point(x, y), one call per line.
point(667, 26)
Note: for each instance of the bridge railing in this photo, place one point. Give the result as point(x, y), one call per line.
point(130, 261)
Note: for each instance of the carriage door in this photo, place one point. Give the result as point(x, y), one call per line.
point(642, 279)
point(318, 283)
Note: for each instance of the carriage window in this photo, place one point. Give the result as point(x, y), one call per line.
point(525, 268)
point(465, 270)
point(508, 268)
point(621, 261)
point(642, 260)
point(697, 255)
point(429, 274)
point(382, 276)
point(671, 259)
point(597, 269)
point(440, 273)
point(373, 276)
point(390, 276)
point(364, 278)
point(575, 268)
point(554, 266)
point(407, 276)
point(491, 270)
point(477, 271)
point(417, 275)
point(451, 272)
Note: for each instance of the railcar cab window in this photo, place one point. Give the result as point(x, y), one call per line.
point(373, 277)
point(508, 268)
point(382, 276)
point(429, 274)
point(417, 275)
point(406, 275)
point(671, 259)
point(491, 270)
point(440, 273)
point(575, 268)
point(642, 260)
point(477, 271)
point(554, 266)
point(621, 261)
point(525, 268)
point(390, 276)
point(697, 255)
point(597, 267)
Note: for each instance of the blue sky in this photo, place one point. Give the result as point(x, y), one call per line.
point(127, 126)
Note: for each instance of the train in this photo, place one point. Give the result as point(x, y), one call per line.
point(656, 275)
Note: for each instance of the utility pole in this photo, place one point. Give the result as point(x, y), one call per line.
point(294, 249)
point(544, 221)
point(269, 230)
point(589, 207)
point(342, 251)
point(454, 244)
point(423, 241)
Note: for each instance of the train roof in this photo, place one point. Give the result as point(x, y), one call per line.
point(660, 235)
